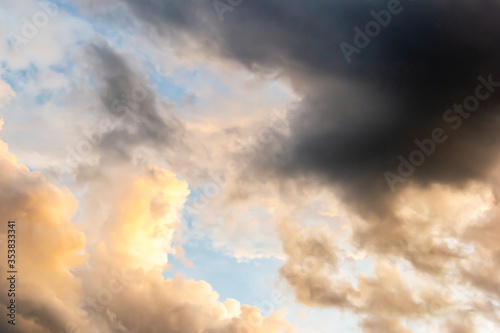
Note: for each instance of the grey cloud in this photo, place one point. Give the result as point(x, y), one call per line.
point(134, 115)
point(356, 119)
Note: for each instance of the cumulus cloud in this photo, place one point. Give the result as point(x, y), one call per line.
point(139, 219)
point(139, 231)
point(434, 233)
point(115, 283)
point(49, 247)
point(444, 260)
point(384, 324)
point(355, 120)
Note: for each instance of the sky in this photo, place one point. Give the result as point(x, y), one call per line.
point(245, 166)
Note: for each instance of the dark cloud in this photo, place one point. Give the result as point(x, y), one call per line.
point(130, 112)
point(356, 119)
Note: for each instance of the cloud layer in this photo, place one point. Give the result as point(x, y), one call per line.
point(431, 75)
point(380, 187)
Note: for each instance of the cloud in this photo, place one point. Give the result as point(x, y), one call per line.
point(49, 247)
point(6, 93)
point(383, 325)
point(132, 101)
point(140, 230)
point(115, 283)
point(354, 122)
point(356, 119)
point(310, 264)
point(139, 219)
point(444, 260)
point(460, 324)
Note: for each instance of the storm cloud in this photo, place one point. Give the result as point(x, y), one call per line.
point(358, 121)
point(356, 118)
point(380, 187)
